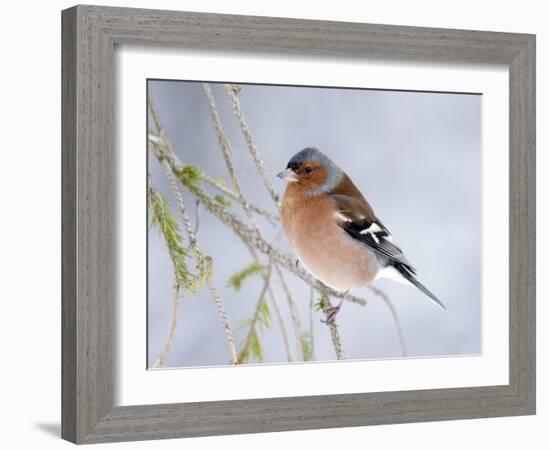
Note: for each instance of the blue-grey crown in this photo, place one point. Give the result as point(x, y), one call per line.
point(307, 154)
point(335, 174)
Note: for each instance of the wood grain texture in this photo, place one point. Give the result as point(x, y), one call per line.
point(68, 225)
point(88, 304)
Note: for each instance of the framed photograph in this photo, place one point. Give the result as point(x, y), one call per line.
point(278, 224)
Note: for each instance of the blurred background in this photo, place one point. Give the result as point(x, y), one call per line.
point(415, 155)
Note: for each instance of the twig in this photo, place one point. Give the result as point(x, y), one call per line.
point(294, 315)
point(197, 222)
point(395, 317)
point(311, 338)
point(197, 218)
point(216, 184)
point(155, 141)
point(225, 320)
point(336, 342)
point(227, 152)
point(274, 301)
point(175, 307)
point(225, 146)
point(282, 325)
point(261, 299)
point(333, 327)
point(232, 91)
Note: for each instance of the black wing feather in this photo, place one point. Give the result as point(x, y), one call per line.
point(380, 240)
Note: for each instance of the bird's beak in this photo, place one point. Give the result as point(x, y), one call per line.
point(287, 175)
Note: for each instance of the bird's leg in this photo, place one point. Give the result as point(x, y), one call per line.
point(330, 313)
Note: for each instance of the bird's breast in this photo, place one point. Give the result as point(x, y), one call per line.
point(323, 247)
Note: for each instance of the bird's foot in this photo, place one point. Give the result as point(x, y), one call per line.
point(330, 312)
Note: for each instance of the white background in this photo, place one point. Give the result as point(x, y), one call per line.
point(30, 225)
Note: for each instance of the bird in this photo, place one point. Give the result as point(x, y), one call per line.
point(334, 231)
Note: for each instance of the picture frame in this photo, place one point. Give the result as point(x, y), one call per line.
point(89, 37)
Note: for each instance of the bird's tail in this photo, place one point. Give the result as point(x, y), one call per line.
point(411, 278)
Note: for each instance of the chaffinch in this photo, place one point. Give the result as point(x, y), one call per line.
point(333, 229)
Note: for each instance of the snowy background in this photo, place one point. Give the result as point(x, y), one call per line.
point(417, 158)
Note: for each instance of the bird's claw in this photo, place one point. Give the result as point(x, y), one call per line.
point(330, 314)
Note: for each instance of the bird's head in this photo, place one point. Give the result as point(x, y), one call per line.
point(313, 171)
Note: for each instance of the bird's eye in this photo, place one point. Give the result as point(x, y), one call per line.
point(308, 169)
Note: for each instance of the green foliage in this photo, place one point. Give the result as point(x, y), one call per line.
point(321, 305)
point(256, 346)
point(264, 316)
point(252, 349)
point(168, 227)
point(252, 346)
point(260, 319)
point(306, 342)
point(237, 279)
point(190, 175)
point(206, 268)
point(222, 200)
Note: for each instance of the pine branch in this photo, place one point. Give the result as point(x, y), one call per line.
point(260, 319)
point(272, 296)
point(204, 263)
point(194, 174)
point(168, 226)
point(169, 230)
point(238, 278)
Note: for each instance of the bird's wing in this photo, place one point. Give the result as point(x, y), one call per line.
point(356, 218)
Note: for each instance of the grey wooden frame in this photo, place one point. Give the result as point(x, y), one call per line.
point(90, 34)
